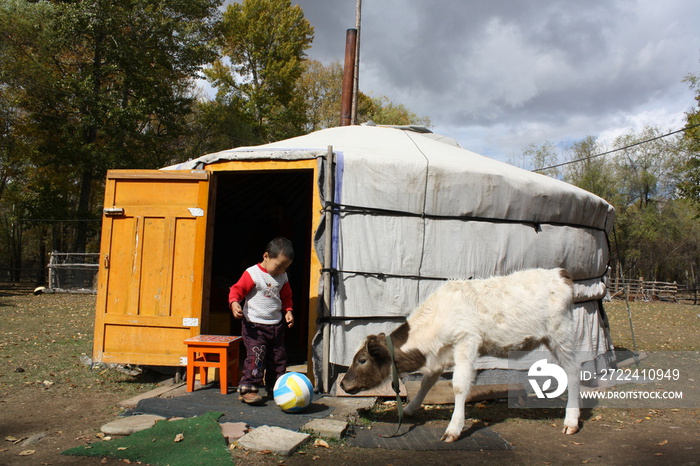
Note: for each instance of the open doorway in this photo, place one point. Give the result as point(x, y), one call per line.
point(251, 209)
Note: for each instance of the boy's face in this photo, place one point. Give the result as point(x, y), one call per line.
point(276, 265)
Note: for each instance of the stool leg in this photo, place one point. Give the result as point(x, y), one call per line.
point(223, 372)
point(203, 374)
point(190, 370)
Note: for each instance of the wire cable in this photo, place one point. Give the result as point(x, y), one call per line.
point(615, 150)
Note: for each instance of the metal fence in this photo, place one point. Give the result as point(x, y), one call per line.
point(71, 272)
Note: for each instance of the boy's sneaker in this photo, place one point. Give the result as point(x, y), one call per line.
point(251, 398)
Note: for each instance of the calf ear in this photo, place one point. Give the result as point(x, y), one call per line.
point(376, 347)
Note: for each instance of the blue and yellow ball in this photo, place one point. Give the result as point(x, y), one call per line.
point(293, 392)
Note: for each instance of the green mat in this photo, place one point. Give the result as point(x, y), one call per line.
point(197, 440)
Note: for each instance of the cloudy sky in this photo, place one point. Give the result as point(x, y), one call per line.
point(498, 75)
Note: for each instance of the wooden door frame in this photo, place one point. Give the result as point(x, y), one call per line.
point(316, 216)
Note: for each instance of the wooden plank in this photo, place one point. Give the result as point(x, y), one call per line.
point(110, 357)
point(202, 250)
point(157, 175)
point(165, 194)
point(383, 390)
point(144, 320)
point(257, 165)
point(186, 284)
point(208, 321)
point(134, 344)
point(102, 276)
point(155, 393)
point(153, 211)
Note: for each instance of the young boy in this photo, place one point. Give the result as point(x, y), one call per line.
point(266, 313)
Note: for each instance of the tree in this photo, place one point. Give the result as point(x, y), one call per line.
point(102, 84)
point(588, 171)
point(264, 42)
point(322, 87)
point(382, 111)
point(648, 167)
point(215, 126)
point(14, 149)
point(690, 183)
point(542, 157)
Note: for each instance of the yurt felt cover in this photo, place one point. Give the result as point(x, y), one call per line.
point(411, 211)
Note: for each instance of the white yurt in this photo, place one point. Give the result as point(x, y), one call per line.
point(403, 210)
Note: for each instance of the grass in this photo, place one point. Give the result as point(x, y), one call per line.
point(42, 339)
point(657, 326)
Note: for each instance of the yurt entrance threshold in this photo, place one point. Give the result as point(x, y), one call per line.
point(174, 241)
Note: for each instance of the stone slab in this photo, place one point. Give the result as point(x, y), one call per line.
point(347, 407)
point(34, 439)
point(275, 439)
point(130, 424)
point(234, 430)
point(328, 428)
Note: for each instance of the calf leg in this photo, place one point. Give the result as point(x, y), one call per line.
point(465, 354)
point(426, 384)
point(567, 360)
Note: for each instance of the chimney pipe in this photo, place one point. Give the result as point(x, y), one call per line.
point(348, 78)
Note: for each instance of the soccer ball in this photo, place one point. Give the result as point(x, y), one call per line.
point(293, 392)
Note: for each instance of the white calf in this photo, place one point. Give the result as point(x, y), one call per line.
point(465, 319)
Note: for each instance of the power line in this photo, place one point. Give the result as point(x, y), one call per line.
point(616, 150)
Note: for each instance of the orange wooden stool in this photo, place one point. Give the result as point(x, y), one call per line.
point(217, 351)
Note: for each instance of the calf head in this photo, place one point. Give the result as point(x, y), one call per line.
point(370, 366)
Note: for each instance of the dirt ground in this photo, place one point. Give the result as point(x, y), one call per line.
point(47, 392)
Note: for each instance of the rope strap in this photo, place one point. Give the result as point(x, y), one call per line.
point(394, 385)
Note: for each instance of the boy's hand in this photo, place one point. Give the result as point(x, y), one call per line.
point(289, 318)
point(237, 310)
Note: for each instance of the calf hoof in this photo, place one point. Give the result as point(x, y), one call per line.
point(448, 438)
point(569, 430)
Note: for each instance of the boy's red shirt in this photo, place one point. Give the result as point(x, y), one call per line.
point(245, 284)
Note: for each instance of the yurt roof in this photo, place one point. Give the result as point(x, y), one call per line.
point(409, 170)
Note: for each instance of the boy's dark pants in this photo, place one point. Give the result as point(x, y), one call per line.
point(266, 355)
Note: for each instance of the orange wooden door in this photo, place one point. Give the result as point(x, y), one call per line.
point(152, 281)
